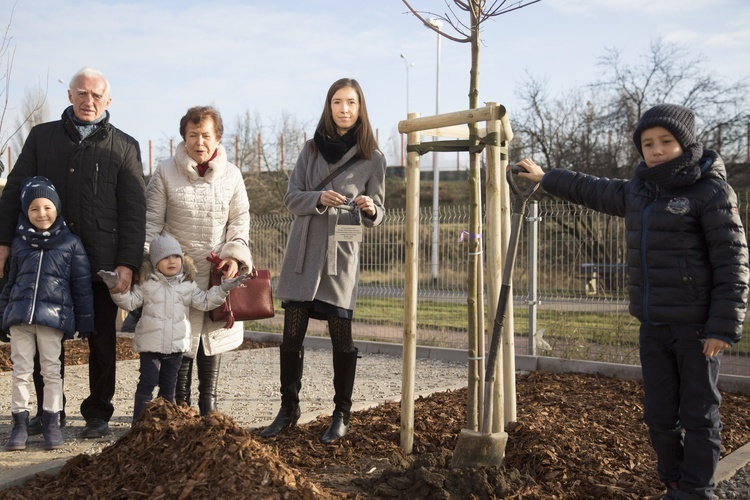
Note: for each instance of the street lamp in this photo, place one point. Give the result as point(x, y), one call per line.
point(437, 24)
point(408, 65)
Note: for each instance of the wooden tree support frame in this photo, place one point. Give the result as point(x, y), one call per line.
point(496, 236)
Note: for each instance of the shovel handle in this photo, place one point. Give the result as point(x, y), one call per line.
point(511, 175)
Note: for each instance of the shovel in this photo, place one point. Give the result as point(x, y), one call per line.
point(486, 449)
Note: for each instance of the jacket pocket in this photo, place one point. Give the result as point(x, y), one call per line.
point(688, 279)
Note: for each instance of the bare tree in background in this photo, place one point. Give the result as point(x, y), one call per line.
point(590, 129)
point(669, 73)
point(267, 154)
point(7, 55)
point(34, 110)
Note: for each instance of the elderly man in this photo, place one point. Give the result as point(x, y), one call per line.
point(98, 174)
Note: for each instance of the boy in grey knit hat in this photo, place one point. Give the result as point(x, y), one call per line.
point(166, 292)
point(688, 283)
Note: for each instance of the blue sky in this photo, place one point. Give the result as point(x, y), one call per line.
point(270, 57)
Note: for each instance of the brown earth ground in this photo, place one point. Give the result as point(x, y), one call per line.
point(577, 437)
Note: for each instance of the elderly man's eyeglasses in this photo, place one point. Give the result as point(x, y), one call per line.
point(82, 94)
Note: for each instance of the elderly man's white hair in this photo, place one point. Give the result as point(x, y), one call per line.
point(91, 73)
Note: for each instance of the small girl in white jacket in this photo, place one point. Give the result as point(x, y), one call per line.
point(166, 292)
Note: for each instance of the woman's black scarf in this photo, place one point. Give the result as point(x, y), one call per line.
point(679, 172)
point(333, 149)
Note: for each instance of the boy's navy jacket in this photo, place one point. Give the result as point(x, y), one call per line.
point(49, 285)
point(687, 252)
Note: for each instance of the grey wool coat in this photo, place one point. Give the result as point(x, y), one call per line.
point(315, 265)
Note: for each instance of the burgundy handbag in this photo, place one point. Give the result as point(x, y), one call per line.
point(253, 299)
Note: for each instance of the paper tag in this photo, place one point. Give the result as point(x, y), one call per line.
point(348, 233)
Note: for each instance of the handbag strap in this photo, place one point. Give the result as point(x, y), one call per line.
point(336, 172)
point(216, 260)
point(230, 316)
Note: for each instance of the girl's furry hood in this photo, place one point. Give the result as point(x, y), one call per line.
point(188, 269)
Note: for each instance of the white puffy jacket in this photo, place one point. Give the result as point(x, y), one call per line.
point(204, 214)
point(164, 326)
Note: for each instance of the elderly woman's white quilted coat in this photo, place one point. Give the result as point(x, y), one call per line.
point(204, 214)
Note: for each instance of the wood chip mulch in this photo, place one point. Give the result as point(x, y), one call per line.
point(576, 437)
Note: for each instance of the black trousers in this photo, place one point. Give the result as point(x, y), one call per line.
point(102, 357)
point(681, 406)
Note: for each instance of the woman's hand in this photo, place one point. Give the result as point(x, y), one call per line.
point(533, 171)
point(229, 267)
point(331, 198)
point(366, 204)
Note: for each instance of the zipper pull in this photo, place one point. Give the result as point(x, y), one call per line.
point(96, 176)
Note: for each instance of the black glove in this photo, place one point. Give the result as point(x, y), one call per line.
point(4, 337)
point(85, 335)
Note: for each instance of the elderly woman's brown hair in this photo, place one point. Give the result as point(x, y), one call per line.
point(198, 114)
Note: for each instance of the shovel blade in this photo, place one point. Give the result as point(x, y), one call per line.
point(475, 449)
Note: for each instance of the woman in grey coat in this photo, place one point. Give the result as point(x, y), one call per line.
point(320, 271)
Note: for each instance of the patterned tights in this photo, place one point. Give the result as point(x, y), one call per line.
point(296, 320)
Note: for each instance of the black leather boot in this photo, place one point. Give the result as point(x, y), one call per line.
point(184, 380)
point(291, 364)
point(208, 381)
point(344, 369)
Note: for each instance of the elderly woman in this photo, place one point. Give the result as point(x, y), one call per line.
point(198, 197)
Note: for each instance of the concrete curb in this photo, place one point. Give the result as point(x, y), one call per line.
point(17, 477)
point(730, 383)
point(729, 465)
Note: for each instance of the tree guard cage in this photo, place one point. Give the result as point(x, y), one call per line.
point(474, 144)
point(495, 236)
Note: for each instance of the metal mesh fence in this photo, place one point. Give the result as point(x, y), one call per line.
point(580, 311)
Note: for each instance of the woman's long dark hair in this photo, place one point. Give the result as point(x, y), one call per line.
point(366, 143)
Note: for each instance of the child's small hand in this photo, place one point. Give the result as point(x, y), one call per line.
point(229, 283)
point(110, 278)
point(712, 347)
point(533, 171)
point(85, 335)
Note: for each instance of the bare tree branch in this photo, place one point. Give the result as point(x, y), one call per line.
point(7, 56)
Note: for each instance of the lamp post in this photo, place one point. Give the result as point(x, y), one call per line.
point(408, 65)
point(436, 23)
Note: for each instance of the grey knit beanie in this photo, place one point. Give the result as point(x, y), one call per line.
point(162, 247)
point(679, 120)
point(39, 187)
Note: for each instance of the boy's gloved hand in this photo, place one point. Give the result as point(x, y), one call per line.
point(110, 278)
point(85, 335)
point(228, 284)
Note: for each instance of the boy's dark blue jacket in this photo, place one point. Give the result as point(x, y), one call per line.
point(686, 247)
point(49, 285)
